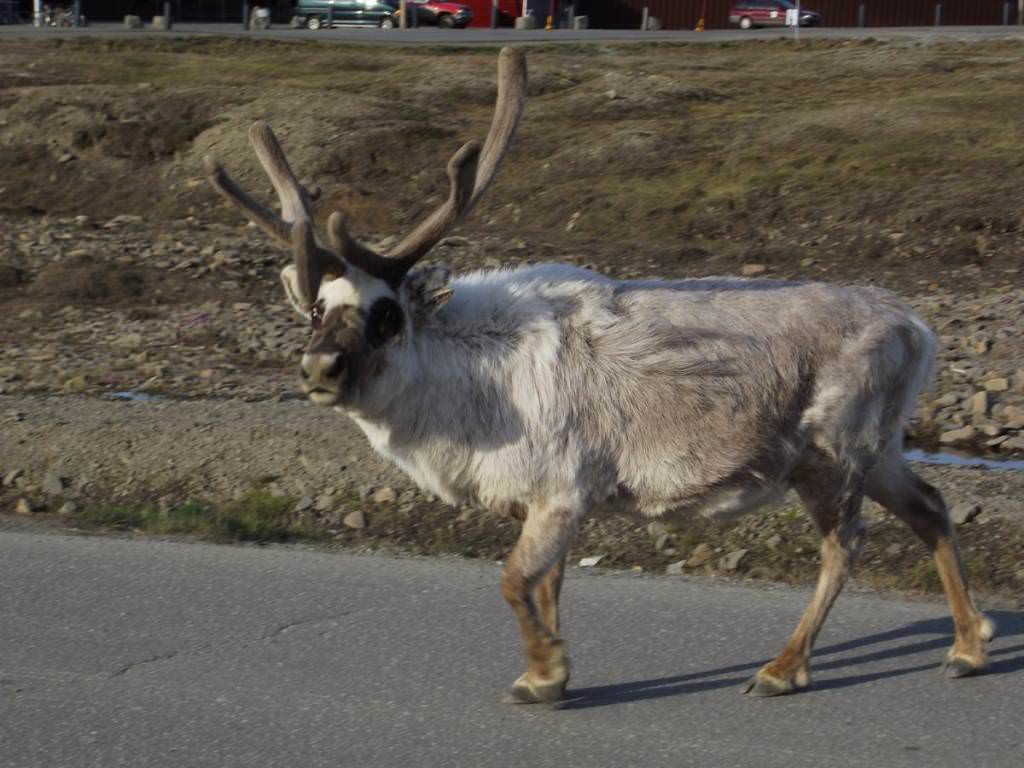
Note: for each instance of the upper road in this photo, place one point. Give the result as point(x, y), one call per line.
point(119, 652)
point(434, 36)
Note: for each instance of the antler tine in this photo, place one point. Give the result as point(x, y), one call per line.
point(512, 82)
point(393, 267)
point(294, 199)
point(256, 212)
point(470, 170)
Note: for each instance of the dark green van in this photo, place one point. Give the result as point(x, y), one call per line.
point(316, 14)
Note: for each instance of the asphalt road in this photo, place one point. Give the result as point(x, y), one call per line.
point(434, 36)
point(118, 652)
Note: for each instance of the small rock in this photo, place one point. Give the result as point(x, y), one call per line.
point(894, 550)
point(76, 384)
point(68, 509)
point(731, 562)
point(385, 495)
point(701, 555)
point(946, 400)
point(590, 562)
point(306, 502)
point(1013, 444)
point(753, 270)
point(958, 436)
point(54, 484)
point(774, 542)
point(355, 520)
point(656, 529)
point(662, 542)
point(1000, 384)
point(674, 569)
point(963, 513)
point(324, 503)
point(981, 402)
point(23, 507)
point(11, 477)
point(1014, 417)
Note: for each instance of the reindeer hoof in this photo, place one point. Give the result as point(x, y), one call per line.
point(958, 666)
point(762, 686)
point(525, 692)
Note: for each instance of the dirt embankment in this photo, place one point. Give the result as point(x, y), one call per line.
point(897, 164)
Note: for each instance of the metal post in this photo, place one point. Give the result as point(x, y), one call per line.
point(403, 21)
point(1020, 11)
point(167, 13)
point(861, 12)
point(245, 14)
point(1006, 13)
point(938, 14)
point(494, 14)
point(643, 20)
point(796, 27)
point(76, 19)
point(330, 15)
point(37, 13)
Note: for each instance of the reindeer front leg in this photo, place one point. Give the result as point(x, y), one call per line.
point(535, 568)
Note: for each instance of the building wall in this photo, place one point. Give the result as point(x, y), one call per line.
point(683, 14)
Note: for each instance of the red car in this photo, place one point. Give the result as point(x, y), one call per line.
point(769, 13)
point(441, 14)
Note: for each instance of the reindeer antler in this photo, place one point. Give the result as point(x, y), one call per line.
point(470, 171)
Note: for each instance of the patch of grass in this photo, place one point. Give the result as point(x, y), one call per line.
point(256, 516)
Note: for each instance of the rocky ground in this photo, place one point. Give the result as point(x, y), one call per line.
point(122, 278)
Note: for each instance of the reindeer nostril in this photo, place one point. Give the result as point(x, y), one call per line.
point(336, 367)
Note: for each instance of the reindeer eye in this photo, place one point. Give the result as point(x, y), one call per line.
point(384, 322)
point(316, 316)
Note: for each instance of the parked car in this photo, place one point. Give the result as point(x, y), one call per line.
point(769, 13)
point(316, 14)
point(441, 14)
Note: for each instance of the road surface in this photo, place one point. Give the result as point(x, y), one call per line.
point(448, 37)
point(121, 652)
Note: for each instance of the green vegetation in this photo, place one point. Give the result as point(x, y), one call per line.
point(257, 516)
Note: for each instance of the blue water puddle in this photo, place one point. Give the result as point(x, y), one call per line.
point(136, 397)
point(956, 460)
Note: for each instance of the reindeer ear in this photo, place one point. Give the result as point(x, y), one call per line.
point(290, 281)
point(427, 289)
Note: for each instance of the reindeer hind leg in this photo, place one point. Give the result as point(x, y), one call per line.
point(895, 486)
point(833, 500)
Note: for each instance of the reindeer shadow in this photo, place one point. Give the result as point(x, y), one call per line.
point(931, 635)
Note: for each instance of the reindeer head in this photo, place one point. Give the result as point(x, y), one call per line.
point(360, 303)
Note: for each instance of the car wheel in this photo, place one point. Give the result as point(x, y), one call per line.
point(746, 23)
point(313, 22)
point(446, 21)
point(387, 23)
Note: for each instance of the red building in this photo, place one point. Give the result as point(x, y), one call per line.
point(684, 14)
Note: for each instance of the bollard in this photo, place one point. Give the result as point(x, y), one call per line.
point(643, 19)
point(861, 10)
point(938, 14)
point(1006, 13)
point(245, 14)
point(167, 14)
point(132, 22)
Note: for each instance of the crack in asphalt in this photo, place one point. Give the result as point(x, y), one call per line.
point(203, 649)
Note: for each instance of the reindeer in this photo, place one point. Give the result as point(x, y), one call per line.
point(552, 392)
